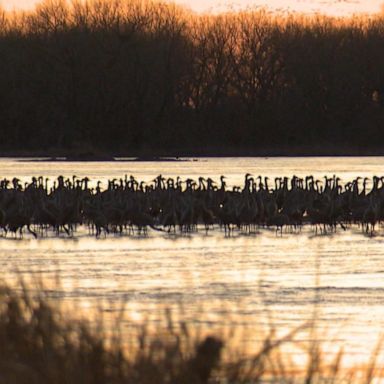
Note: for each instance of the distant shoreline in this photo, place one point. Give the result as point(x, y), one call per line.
point(44, 159)
point(32, 156)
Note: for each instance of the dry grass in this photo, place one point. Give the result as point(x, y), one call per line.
point(39, 344)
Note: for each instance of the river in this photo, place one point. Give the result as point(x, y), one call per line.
point(247, 281)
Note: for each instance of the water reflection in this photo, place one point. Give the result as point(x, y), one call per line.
point(237, 277)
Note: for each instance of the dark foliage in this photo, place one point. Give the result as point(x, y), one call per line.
point(137, 77)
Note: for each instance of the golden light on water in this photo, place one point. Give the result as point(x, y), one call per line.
point(329, 7)
point(184, 272)
point(244, 284)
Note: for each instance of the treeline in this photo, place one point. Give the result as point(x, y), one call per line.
point(135, 77)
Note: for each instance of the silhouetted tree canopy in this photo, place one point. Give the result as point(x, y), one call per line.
point(140, 77)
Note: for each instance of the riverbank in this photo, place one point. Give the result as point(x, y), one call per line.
point(187, 155)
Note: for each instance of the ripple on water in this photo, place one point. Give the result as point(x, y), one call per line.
point(258, 278)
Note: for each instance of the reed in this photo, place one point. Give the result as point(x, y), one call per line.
point(40, 343)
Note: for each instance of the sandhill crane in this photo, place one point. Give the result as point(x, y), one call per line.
point(163, 204)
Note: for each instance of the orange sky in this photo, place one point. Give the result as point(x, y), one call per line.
point(334, 7)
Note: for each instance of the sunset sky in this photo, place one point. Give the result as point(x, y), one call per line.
point(333, 7)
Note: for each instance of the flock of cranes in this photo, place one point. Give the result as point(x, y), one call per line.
point(174, 205)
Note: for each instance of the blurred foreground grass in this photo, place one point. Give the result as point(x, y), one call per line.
point(39, 343)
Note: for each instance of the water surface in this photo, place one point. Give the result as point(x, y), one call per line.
point(246, 280)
